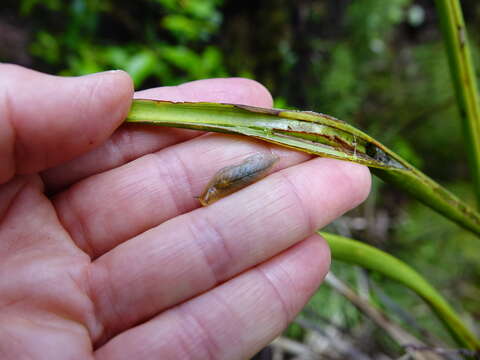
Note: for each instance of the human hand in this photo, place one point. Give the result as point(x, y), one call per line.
point(105, 252)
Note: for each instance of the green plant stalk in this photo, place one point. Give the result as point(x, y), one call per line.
point(381, 319)
point(463, 77)
point(313, 133)
point(371, 258)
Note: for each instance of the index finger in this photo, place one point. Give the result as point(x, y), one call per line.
point(133, 141)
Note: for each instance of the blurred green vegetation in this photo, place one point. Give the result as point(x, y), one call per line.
point(155, 41)
point(378, 64)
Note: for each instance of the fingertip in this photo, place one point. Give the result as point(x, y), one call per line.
point(225, 90)
point(258, 93)
point(121, 82)
point(243, 91)
point(231, 90)
point(108, 96)
point(359, 179)
point(348, 182)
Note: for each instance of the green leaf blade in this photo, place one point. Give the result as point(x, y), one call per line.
point(313, 133)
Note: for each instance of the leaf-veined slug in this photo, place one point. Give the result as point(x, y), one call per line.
point(235, 177)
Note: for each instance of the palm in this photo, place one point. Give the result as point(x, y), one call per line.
point(120, 263)
point(45, 305)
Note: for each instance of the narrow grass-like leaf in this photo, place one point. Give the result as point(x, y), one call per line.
point(463, 77)
point(313, 133)
point(371, 258)
point(381, 319)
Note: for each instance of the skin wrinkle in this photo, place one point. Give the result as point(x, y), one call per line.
point(9, 339)
point(285, 276)
point(7, 209)
point(83, 288)
point(108, 295)
point(12, 303)
point(124, 144)
point(64, 312)
point(119, 141)
point(261, 253)
point(64, 309)
point(293, 190)
point(235, 318)
point(65, 328)
point(31, 183)
point(81, 239)
point(185, 171)
point(287, 312)
point(169, 196)
point(7, 107)
point(183, 344)
point(183, 182)
point(85, 102)
point(12, 340)
point(90, 293)
point(207, 341)
point(226, 313)
point(218, 261)
point(39, 324)
point(127, 138)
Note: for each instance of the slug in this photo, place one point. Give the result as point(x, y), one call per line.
point(235, 177)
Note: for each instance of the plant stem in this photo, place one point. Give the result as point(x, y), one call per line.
point(463, 77)
point(368, 257)
point(313, 133)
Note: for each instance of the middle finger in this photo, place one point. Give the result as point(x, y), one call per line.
point(107, 209)
point(194, 252)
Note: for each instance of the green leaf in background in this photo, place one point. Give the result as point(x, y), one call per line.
point(182, 26)
point(140, 66)
point(47, 47)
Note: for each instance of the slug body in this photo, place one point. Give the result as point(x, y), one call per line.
point(235, 177)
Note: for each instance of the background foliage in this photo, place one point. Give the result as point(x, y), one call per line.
point(378, 64)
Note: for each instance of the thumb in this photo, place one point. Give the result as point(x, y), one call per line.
point(46, 120)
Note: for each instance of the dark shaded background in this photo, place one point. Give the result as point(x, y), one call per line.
point(379, 64)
